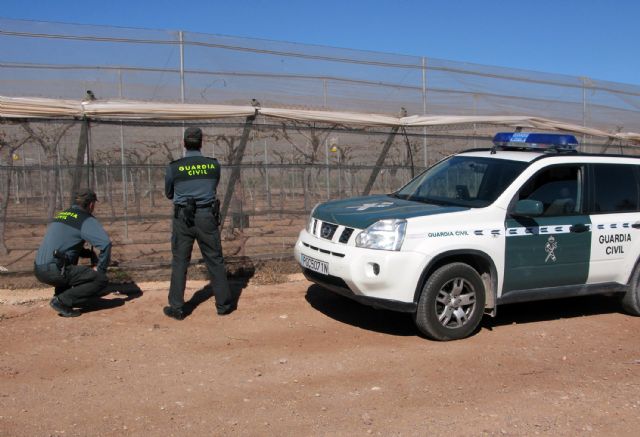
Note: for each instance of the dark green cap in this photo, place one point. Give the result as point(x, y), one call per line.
point(86, 195)
point(193, 135)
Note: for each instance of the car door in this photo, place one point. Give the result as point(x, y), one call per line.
point(551, 249)
point(615, 221)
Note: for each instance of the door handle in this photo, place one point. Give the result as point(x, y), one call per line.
point(580, 227)
point(636, 225)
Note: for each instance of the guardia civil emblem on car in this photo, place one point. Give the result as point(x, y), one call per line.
point(366, 206)
point(529, 218)
point(550, 248)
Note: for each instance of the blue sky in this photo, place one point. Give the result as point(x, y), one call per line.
point(594, 38)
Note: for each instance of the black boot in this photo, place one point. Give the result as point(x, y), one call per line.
point(62, 309)
point(174, 313)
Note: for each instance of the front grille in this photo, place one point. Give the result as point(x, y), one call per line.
point(327, 230)
point(328, 252)
point(346, 234)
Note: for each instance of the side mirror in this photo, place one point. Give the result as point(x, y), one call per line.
point(528, 208)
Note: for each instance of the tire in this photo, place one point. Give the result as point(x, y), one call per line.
point(451, 304)
point(631, 299)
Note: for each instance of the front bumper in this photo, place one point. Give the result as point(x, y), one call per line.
point(380, 278)
point(338, 286)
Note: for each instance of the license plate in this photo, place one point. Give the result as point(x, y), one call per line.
point(315, 264)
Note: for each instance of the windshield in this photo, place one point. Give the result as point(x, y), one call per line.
point(462, 181)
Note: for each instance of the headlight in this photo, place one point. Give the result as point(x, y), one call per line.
point(311, 219)
point(383, 235)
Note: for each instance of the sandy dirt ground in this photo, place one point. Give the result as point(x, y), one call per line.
point(296, 360)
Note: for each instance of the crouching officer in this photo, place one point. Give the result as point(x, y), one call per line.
point(57, 258)
point(191, 183)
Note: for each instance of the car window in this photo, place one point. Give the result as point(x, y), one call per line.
point(463, 181)
point(615, 188)
point(559, 188)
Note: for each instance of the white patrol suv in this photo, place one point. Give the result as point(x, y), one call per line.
point(528, 219)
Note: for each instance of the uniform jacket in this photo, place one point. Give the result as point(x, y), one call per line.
point(194, 176)
point(67, 233)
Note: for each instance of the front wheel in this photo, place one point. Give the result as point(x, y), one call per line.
point(631, 299)
point(452, 303)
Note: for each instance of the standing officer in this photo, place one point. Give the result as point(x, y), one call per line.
point(57, 258)
point(191, 182)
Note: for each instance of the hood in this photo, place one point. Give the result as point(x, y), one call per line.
point(361, 212)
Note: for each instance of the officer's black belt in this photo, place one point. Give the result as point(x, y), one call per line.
point(206, 205)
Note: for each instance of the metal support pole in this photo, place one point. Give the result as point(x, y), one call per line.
point(125, 200)
point(26, 180)
point(266, 174)
point(380, 161)
point(149, 184)
point(90, 166)
point(40, 173)
point(252, 186)
point(326, 152)
point(584, 107)
point(324, 93)
point(125, 197)
point(475, 109)
point(17, 184)
point(181, 38)
point(339, 172)
point(60, 180)
point(424, 108)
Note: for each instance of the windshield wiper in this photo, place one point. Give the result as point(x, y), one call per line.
point(427, 200)
point(434, 201)
point(399, 196)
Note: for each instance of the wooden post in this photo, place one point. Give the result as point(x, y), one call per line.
point(83, 143)
point(235, 167)
point(380, 161)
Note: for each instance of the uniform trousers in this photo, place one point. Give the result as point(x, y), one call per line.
point(76, 286)
point(205, 232)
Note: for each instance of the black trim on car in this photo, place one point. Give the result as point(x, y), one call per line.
point(328, 252)
point(546, 293)
point(338, 286)
point(457, 253)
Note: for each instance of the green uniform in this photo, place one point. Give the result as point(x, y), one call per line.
point(195, 178)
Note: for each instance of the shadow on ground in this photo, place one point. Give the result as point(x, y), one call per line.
point(350, 312)
point(123, 292)
point(237, 285)
point(554, 309)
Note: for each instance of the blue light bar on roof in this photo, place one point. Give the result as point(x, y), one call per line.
point(525, 140)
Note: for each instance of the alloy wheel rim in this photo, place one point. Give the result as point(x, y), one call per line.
point(455, 302)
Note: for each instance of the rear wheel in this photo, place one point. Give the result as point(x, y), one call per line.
point(452, 303)
point(631, 299)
